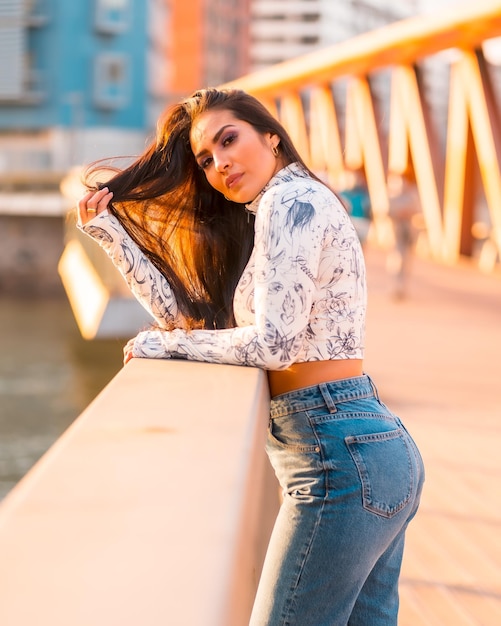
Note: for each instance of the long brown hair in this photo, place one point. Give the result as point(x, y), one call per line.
point(200, 241)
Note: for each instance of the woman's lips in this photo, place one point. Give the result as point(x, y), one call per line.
point(232, 180)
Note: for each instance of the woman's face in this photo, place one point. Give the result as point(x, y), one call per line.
point(236, 159)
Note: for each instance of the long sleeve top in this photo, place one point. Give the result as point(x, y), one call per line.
point(301, 297)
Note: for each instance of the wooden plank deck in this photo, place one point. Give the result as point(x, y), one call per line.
point(435, 359)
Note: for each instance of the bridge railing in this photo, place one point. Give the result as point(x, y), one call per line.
point(417, 97)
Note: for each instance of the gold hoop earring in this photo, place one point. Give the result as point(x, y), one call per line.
point(274, 150)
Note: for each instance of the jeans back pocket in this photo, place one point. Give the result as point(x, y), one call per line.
point(384, 464)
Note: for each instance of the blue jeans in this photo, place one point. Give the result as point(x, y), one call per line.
point(351, 477)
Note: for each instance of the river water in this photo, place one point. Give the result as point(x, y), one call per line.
point(48, 375)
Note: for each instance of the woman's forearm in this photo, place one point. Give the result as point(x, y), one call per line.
point(145, 281)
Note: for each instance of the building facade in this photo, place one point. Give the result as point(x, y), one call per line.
point(88, 79)
point(74, 85)
point(284, 29)
point(207, 44)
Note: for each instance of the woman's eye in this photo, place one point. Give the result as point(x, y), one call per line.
point(205, 163)
point(228, 139)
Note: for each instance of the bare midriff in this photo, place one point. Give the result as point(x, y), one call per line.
point(312, 373)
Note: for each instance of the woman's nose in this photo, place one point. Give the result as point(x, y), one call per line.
point(221, 162)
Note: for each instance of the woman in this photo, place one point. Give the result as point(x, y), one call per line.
point(244, 257)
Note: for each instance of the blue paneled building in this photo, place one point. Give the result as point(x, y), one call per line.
point(73, 83)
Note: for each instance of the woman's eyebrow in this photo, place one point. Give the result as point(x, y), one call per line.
point(214, 139)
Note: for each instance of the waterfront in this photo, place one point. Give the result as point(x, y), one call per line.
point(48, 375)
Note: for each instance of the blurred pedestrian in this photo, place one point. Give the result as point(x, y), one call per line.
point(404, 210)
point(353, 191)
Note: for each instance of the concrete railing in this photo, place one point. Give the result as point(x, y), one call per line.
point(155, 507)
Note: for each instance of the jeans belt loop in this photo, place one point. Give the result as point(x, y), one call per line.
point(324, 390)
point(374, 388)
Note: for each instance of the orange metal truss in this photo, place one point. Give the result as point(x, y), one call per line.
point(301, 93)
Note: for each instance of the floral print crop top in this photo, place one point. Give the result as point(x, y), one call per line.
point(302, 296)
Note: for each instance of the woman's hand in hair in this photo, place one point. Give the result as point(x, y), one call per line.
point(93, 203)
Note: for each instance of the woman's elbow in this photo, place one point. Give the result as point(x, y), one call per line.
point(283, 353)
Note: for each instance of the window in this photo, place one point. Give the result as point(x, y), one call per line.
point(112, 16)
point(13, 46)
point(111, 81)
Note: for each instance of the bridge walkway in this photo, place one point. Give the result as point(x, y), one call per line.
point(435, 359)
